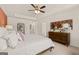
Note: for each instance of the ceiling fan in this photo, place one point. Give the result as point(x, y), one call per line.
point(37, 8)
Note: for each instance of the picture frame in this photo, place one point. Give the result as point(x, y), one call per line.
point(21, 27)
point(59, 24)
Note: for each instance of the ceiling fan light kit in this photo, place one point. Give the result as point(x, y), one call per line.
point(37, 11)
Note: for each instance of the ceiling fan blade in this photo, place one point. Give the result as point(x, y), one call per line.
point(42, 11)
point(30, 10)
point(42, 7)
point(33, 5)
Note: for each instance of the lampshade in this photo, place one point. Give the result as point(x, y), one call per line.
point(9, 27)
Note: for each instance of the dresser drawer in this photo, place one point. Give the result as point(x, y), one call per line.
point(60, 37)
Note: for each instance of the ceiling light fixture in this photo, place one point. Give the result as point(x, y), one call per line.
point(37, 11)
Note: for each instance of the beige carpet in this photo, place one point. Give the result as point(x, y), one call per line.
point(62, 50)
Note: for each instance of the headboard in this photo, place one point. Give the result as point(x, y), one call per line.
point(3, 18)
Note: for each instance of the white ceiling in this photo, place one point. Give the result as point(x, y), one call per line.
point(22, 9)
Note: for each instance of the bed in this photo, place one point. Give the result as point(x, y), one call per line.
point(32, 45)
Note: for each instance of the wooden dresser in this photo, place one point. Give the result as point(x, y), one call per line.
point(60, 37)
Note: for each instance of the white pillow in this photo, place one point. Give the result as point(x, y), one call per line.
point(3, 44)
point(2, 31)
point(12, 39)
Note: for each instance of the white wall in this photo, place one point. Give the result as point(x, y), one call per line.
point(44, 29)
point(14, 20)
point(72, 13)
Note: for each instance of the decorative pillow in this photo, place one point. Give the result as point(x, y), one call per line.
point(22, 35)
point(19, 37)
point(12, 39)
point(3, 44)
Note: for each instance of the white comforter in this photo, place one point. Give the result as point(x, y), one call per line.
point(33, 44)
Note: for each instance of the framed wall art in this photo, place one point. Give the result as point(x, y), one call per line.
point(21, 27)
